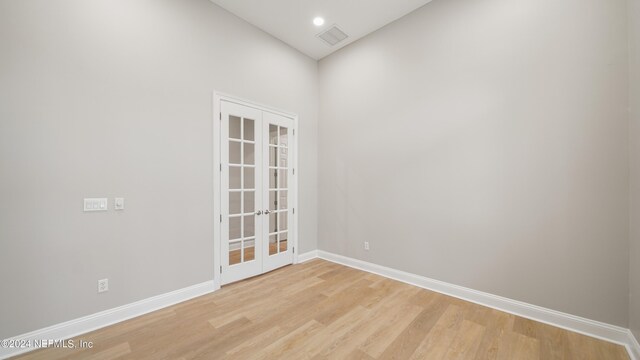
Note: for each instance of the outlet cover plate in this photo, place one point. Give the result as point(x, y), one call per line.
point(103, 285)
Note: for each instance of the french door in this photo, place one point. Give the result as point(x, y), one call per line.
point(256, 163)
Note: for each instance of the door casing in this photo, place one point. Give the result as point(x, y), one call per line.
point(217, 181)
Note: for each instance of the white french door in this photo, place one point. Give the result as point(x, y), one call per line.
point(256, 198)
point(277, 179)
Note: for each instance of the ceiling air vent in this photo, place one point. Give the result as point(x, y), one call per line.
point(333, 36)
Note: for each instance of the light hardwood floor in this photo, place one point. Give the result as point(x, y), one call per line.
point(321, 310)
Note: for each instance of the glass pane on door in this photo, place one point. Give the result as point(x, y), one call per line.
point(282, 241)
point(273, 244)
point(235, 254)
point(249, 250)
point(234, 127)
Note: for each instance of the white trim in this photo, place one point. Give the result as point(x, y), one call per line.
point(217, 213)
point(253, 104)
point(295, 186)
point(600, 330)
point(101, 319)
point(313, 254)
point(633, 347)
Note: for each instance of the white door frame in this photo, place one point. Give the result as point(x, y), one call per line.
point(217, 183)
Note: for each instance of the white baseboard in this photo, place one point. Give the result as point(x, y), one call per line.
point(633, 347)
point(99, 320)
point(611, 333)
point(307, 256)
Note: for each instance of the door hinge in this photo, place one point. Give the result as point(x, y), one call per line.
point(220, 269)
point(294, 132)
point(220, 217)
point(294, 171)
point(294, 210)
point(220, 166)
point(220, 116)
point(293, 249)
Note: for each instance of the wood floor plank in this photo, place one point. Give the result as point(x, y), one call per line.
point(322, 310)
point(520, 347)
point(289, 317)
point(287, 345)
point(499, 324)
point(358, 355)
point(406, 343)
point(313, 345)
point(437, 342)
point(338, 305)
point(465, 344)
point(251, 345)
point(111, 353)
point(397, 312)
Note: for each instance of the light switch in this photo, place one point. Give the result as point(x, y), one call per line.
point(118, 204)
point(95, 204)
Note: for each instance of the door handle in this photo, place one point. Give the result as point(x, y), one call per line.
point(259, 213)
point(267, 212)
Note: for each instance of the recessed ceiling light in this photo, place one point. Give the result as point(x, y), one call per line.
point(318, 21)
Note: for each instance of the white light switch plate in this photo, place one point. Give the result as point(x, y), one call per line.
point(118, 204)
point(96, 204)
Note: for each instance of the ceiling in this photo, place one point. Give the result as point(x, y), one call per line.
point(292, 20)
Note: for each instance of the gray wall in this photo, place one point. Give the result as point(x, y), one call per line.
point(634, 133)
point(114, 97)
point(484, 143)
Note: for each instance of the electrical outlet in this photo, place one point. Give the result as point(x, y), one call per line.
point(366, 245)
point(103, 285)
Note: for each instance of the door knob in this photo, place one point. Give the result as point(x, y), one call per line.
point(259, 213)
